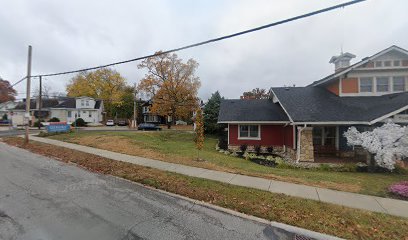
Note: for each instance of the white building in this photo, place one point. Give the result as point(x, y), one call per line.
point(66, 109)
point(5, 108)
point(87, 108)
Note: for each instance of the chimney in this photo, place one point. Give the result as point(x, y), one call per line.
point(342, 61)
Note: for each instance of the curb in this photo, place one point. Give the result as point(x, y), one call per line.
point(289, 228)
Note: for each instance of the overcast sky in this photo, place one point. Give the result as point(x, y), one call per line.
point(68, 35)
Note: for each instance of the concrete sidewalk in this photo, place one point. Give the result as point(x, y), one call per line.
point(353, 200)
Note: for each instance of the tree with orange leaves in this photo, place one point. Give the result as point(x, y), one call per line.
point(7, 92)
point(172, 84)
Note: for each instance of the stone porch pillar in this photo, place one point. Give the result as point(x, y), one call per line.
point(305, 151)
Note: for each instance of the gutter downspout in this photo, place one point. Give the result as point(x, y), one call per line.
point(300, 129)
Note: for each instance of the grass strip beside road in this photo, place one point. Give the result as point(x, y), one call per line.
point(178, 147)
point(321, 217)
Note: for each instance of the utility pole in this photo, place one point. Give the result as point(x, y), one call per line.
point(134, 123)
point(40, 104)
point(27, 114)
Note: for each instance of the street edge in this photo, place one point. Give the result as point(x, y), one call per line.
point(289, 228)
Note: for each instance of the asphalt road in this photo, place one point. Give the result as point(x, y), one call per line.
point(41, 198)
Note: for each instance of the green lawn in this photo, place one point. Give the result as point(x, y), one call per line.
point(178, 146)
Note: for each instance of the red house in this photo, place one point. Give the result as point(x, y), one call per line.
point(308, 122)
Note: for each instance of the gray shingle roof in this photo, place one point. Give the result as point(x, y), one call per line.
point(71, 103)
point(97, 104)
point(46, 103)
point(315, 104)
point(256, 110)
point(67, 103)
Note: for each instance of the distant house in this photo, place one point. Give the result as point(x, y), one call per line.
point(66, 109)
point(87, 108)
point(5, 108)
point(309, 122)
point(148, 116)
point(18, 112)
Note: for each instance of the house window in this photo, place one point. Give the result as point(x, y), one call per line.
point(87, 102)
point(387, 63)
point(378, 64)
point(330, 136)
point(317, 136)
point(397, 63)
point(82, 103)
point(151, 118)
point(398, 84)
point(382, 84)
point(324, 136)
point(145, 109)
point(249, 131)
point(69, 114)
point(366, 84)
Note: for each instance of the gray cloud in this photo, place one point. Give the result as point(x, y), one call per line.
point(67, 35)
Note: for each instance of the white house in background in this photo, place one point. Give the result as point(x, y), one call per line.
point(87, 108)
point(5, 108)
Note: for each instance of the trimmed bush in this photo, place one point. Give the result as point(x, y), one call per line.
point(54, 119)
point(257, 150)
point(223, 143)
point(36, 123)
point(243, 147)
point(400, 189)
point(79, 122)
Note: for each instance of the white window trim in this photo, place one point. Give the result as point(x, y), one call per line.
point(392, 84)
point(375, 92)
point(376, 84)
point(249, 138)
point(372, 85)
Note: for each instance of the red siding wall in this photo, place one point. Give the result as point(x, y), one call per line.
point(271, 135)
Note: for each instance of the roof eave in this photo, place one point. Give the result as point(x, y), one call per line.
point(286, 112)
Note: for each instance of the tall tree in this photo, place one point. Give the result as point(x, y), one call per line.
point(106, 84)
point(172, 84)
point(124, 107)
point(211, 111)
point(256, 93)
point(7, 92)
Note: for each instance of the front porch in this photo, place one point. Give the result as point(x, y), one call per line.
point(326, 144)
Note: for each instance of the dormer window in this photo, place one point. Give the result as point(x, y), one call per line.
point(397, 63)
point(378, 64)
point(387, 63)
point(382, 84)
point(366, 84)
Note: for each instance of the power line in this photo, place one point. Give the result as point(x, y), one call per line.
point(19, 81)
point(209, 41)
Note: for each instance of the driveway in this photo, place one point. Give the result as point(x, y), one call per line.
point(41, 198)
